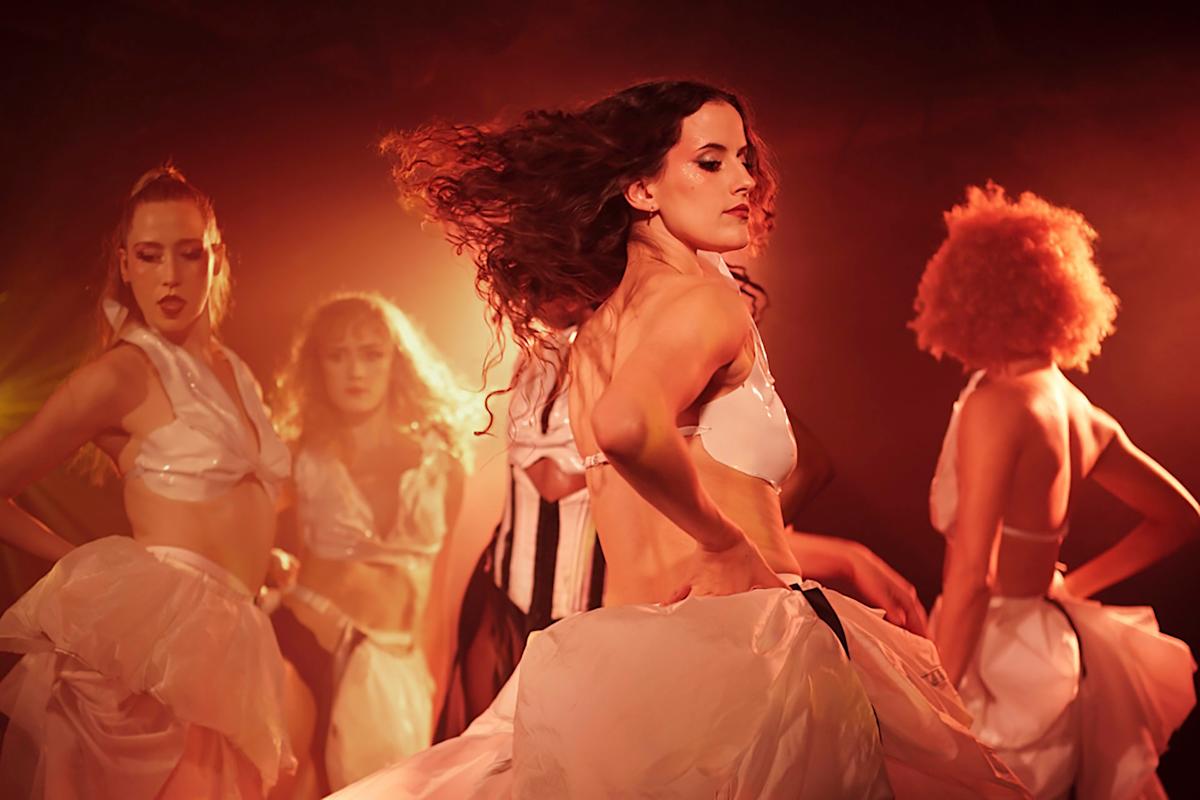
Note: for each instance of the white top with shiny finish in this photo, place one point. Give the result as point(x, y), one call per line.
point(943, 491)
point(337, 522)
point(207, 449)
point(528, 443)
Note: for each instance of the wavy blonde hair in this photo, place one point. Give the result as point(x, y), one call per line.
point(1013, 279)
point(422, 388)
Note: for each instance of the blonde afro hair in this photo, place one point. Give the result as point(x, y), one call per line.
point(1012, 280)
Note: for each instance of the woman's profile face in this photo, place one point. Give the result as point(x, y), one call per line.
point(703, 190)
point(169, 263)
point(357, 369)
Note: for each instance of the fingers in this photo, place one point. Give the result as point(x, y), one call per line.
point(681, 593)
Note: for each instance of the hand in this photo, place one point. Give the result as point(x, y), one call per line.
point(282, 571)
point(735, 569)
point(879, 585)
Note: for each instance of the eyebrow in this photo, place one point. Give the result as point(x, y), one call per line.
point(721, 147)
point(150, 243)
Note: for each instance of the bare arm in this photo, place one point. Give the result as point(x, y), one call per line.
point(1171, 517)
point(634, 423)
point(91, 401)
point(836, 560)
point(988, 446)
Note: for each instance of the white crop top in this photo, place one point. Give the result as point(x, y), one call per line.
point(337, 522)
point(528, 440)
point(747, 428)
point(206, 449)
point(943, 490)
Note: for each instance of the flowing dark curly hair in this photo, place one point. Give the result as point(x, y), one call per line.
point(540, 204)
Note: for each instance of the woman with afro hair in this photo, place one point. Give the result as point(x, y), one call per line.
point(1075, 696)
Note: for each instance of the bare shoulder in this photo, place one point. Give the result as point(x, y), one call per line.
point(1094, 427)
point(998, 404)
point(116, 379)
point(701, 304)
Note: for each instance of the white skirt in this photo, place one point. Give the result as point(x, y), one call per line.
point(1085, 699)
point(746, 696)
point(130, 655)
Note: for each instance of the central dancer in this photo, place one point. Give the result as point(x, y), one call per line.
point(707, 676)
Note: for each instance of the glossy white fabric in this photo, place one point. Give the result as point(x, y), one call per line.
point(206, 449)
point(747, 696)
point(528, 443)
point(337, 522)
point(127, 649)
point(1099, 723)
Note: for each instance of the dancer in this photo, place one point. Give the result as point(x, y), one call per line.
point(382, 439)
point(729, 692)
point(1075, 696)
point(544, 562)
point(148, 671)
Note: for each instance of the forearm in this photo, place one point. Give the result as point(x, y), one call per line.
point(1145, 545)
point(964, 609)
point(23, 531)
point(824, 558)
point(662, 472)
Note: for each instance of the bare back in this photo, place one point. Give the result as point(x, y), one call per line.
point(1061, 437)
point(646, 553)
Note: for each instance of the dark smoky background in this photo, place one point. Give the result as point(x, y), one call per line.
point(878, 115)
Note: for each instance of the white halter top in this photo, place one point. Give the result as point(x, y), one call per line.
point(206, 449)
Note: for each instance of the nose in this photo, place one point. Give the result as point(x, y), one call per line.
point(745, 180)
point(170, 270)
point(357, 367)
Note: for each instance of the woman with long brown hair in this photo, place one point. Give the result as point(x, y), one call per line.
point(148, 670)
point(705, 674)
point(381, 431)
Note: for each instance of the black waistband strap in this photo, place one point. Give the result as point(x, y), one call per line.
point(820, 604)
point(1078, 638)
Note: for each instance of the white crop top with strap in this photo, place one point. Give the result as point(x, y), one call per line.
point(207, 449)
point(747, 428)
point(943, 490)
point(337, 522)
point(533, 432)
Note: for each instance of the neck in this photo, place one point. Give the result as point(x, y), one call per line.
point(1016, 367)
point(197, 338)
point(651, 244)
point(363, 432)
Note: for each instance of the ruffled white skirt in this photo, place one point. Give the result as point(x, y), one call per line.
point(142, 670)
point(1085, 699)
point(746, 696)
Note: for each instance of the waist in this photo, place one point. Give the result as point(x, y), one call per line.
point(376, 596)
point(191, 561)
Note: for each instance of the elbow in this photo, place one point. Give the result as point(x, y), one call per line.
point(620, 429)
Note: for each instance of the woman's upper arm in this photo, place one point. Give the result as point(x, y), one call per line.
point(1137, 480)
point(92, 400)
point(989, 438)
point(690, 337)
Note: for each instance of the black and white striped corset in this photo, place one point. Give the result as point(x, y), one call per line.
point(546, 555)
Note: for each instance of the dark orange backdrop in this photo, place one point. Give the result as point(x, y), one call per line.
point(878, 117)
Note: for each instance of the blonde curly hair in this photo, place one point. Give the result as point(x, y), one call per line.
point(1013, 279)
point(422, 388)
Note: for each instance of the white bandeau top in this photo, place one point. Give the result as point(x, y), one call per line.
point(207, 448)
